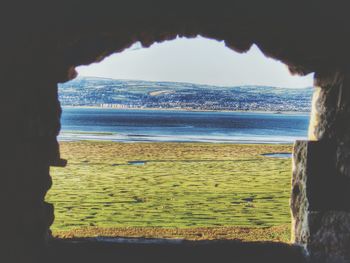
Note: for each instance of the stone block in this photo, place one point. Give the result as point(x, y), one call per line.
point(319, 202)
point(329, 236)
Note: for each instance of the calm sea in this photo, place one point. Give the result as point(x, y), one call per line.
point(181, 126)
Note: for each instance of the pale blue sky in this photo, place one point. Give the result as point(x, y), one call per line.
point(197, 60)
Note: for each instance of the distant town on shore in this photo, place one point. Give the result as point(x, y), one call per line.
point(138, 94)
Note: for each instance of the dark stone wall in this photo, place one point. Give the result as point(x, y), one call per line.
point(43, 41)
point(30, 123)
point(321, 174)
point(308, 36)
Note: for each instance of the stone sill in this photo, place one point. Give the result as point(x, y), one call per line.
point(164, 250)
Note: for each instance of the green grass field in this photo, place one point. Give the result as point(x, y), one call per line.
point(190, 190)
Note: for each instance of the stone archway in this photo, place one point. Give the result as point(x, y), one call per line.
point(42, 44)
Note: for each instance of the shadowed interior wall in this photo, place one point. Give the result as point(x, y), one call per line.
point(42, 43)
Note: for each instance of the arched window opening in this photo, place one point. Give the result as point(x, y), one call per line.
point(186, 139)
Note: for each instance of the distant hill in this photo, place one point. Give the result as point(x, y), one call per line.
point(91, 91)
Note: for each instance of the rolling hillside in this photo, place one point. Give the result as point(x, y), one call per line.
point(91, 91)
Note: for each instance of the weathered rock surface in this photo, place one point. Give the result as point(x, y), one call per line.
point(329, 236)
point(321, 184)
point(43, 41)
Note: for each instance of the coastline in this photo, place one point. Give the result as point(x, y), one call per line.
point(186, 110)
point(80, 136)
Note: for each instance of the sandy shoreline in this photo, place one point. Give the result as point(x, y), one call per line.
point(79, 136)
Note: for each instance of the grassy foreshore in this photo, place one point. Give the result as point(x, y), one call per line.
point(183, 190)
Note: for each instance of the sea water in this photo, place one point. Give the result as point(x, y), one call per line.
point(124, 125)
